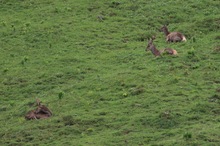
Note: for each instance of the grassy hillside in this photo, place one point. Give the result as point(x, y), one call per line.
point(86, 61)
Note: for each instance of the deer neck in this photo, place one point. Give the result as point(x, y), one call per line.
point(152, 48)
point(166, 32)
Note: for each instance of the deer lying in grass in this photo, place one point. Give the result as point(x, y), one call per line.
point(41, 112)
point(173, 36)
point(157, 52)
point(152, 47)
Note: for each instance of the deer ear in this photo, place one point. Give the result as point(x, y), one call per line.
point(38, 101)
point(153, 37)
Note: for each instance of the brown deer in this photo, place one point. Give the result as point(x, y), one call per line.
point(173, 36)
point(41, 112)
point(152, 48)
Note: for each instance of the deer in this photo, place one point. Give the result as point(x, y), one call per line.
point(42, 109)
point(153, 48)
point(41, 112)
point(31, 115)
point(157, 52)
point(173, 36)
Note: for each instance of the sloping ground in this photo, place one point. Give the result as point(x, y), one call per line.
point(86, 61)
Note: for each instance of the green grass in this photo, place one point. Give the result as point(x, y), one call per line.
point(86, 61)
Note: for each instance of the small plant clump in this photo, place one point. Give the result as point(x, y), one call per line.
point(61, 95)
point(187, 136)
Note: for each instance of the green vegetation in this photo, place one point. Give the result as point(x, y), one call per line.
point(86, 60)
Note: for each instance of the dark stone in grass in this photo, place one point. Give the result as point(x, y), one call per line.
point(68, 120)
point(136, 90)
point(2, 109)
point(217, 37)
point(187, 136)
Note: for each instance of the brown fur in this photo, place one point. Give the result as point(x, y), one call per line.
point(173, 36)
point(152, 48)
point(42, 109)
point(41, 112)
point(31, 115)
point(170, 51)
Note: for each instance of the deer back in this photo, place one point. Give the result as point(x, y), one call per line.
point(175, 37)
point(155, 51)
point(170, 51)
point(42, 109)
